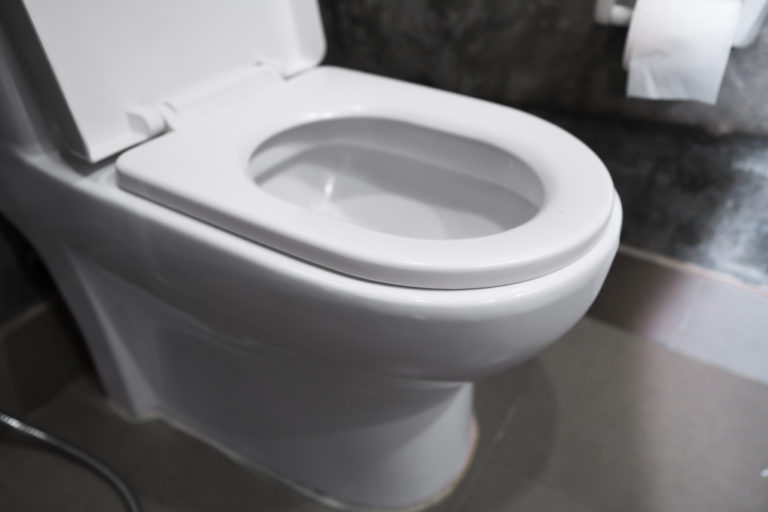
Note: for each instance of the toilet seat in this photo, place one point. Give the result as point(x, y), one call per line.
point(202, 170)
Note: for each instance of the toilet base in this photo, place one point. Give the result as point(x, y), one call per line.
point(319, 496)
point(432, 500)
point(368, 440)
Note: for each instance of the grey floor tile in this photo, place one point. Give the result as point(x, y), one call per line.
point(728, 327)
point(601, 421)
point(9, 501)
point(184, 474)
point(40, 353)
point(645, 298)
point(720, 322)
point(19, 457)
point(61, 484)
point(76, 417)
point(495, 401)
point(521, 496)
point(617, 423)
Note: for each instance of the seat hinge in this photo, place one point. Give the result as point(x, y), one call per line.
point(195, 101)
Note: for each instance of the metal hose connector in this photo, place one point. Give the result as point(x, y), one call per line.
point(132, 504)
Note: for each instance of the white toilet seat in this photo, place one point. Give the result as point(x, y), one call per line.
point(201, 169)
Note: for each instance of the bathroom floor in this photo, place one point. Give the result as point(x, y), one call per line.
point(635, 409)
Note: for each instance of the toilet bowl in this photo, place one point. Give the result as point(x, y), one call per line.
point(306, 267)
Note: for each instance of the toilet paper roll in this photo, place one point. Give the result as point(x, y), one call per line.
point(679, 49)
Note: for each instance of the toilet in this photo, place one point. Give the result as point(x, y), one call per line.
point(304, 266)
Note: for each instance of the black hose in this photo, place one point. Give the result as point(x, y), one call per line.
point(131, 502)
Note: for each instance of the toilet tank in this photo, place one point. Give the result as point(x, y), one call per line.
point(100, 62)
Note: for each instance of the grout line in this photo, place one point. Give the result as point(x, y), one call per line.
point(25, 316)
point(689, 268)
point(498, 436)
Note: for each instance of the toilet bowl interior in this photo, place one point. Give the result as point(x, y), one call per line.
point(398, 178)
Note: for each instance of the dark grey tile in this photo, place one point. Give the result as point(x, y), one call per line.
point(728, 328)
point(617, 423)
point(24, 280)
point(495, 401)
point(10, 502)
point(461, 46)
point(503, 495)
point(687, 195)
point(601, 421)
point(646, 298)
point(690, 311)
point(182, 473)
point(41, 352)
point(47, 481)
point(82, 416)
point(20, 458)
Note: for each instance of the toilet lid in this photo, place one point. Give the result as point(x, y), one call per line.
point(110, 58)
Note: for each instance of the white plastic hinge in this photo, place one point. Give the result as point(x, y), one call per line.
point(150, 121)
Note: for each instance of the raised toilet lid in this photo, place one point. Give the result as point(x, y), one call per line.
point(110, 60)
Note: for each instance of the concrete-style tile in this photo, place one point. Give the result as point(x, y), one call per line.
point(690, 311)
point(74, 417)
point(633, 426)
point(495, 401)
point(182, 473)
point(10, 502)
point(729, 329)
point(521, 496)
point(601, 421)
point(40, 354)
point(59, 484)
point(648, 299)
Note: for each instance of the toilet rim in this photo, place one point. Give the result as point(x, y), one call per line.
point(201, 170)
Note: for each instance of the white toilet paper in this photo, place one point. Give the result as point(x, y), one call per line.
point(678, 49)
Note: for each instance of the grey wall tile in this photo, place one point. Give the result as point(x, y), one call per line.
point(688, 195)
point(23, 279)
point(41, 352)
point(528, 53)
point(728, 328)
point(698, 314)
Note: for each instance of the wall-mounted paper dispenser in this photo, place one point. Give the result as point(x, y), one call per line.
point(751, 18)
point(679, 49)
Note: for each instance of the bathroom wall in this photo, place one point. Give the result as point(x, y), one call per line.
point(522, 52)
point(22, 279)
point(41, 350)
point(693, 178)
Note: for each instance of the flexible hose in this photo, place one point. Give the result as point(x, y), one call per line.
point(131, 502)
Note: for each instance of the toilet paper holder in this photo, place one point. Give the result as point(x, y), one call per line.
point(753, 14)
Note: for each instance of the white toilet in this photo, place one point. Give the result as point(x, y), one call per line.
point(305, 266)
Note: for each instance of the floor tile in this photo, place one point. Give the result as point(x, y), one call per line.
point(183, 473)
point(61, 484)
point(728, 328)
point(521, 496)
point(495, 401)
point(40, 353)
point(601, 421)
point(645, 298)
point(76, 418)
point(629, 425)
point(10, 502)
point(691, 311)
